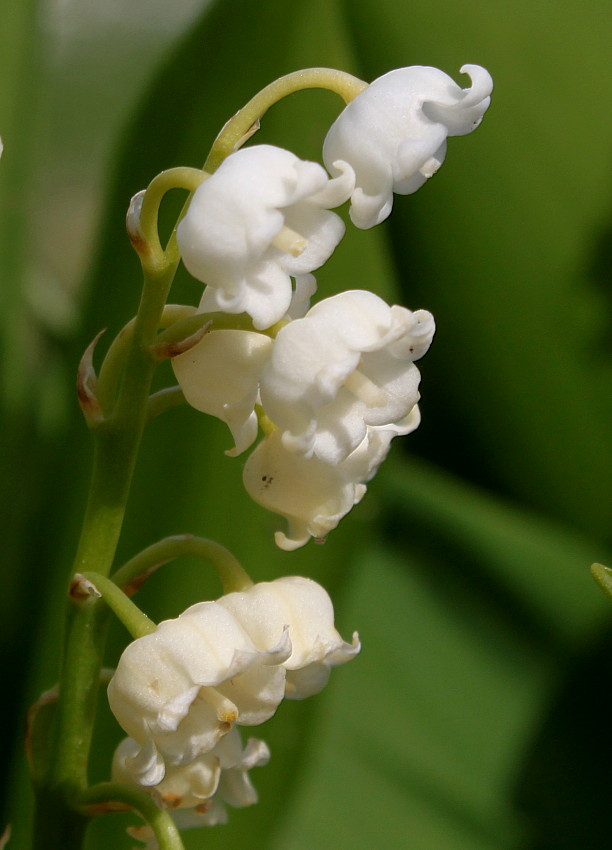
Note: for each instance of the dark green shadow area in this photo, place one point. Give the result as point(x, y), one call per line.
point(565, 787)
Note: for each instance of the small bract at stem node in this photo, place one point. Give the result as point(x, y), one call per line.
point(86, 384)
point(168, 349)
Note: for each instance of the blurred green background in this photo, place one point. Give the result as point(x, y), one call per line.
point(478, 713)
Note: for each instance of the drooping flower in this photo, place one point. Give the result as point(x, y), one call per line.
point(183, 786)
point(304, 607)
point(313, 495)
point(393, 134)
point(345, 367)
point(220, 773)
point(260, 219)
point(178, 690)
point(197, 793)
point(220, 376)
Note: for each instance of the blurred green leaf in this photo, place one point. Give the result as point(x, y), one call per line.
point(414, 748)
point(19, 71)
point(503, 246)
point(535, 571)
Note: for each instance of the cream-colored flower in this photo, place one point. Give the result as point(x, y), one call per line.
point(262, 218)
point(196, 793)
point(313, 495)
point(178, 690)
point(304, 608)
point(393, 134)
point(183, 786)
point(345, 367)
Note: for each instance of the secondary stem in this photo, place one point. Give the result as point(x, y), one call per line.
point(231, 574)
point(241, 125)
point(136, 621)
point(102, 796)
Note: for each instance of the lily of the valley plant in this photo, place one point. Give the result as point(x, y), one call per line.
point(314, 394)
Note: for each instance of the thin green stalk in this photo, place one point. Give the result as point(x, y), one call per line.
point(181, 177)
point(136, 621)
point(231, 574)
point(164, 400)
point(242, 125)
point(100, 799)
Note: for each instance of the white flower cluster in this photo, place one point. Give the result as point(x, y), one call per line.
point(336, 382)
point(181, 691)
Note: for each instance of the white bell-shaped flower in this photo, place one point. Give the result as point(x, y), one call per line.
point(313, 495)
point(304, 607)
point(393, 134)
point(197, 793)
point(178, 690)
point(260, 219)
point(220, 376)
point(345, 367)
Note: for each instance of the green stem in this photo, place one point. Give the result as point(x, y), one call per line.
point(164, 400)
point(181, 177)
point(231, 574)
point(55, 824)
point(100, 798)
point(66, 776)
point(136, 621)
point(116, 443)
point(242, 125)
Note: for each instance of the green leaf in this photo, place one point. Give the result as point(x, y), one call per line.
point(537, 569)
